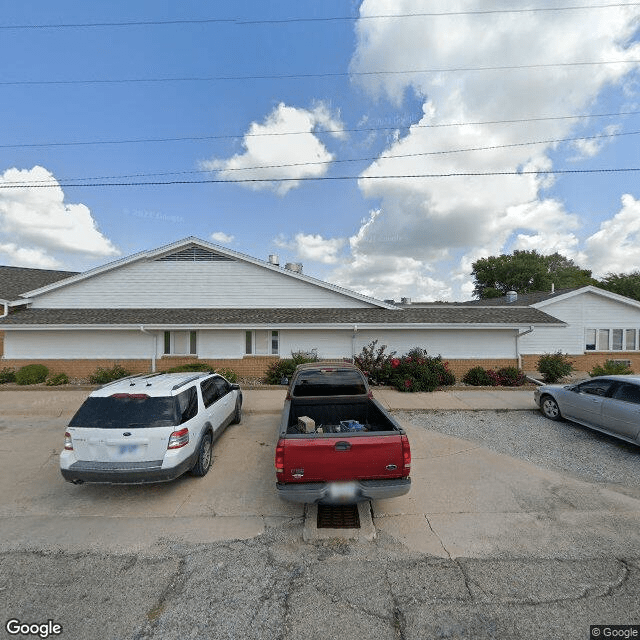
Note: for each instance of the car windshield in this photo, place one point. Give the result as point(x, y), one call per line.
point(329, 383)
point(126, 412)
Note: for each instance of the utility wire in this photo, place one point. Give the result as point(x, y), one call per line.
point(326, 178)
point(302, 76)
point(316, 131)
point(243, 22)
point(323, 162)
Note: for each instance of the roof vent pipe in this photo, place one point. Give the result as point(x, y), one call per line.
point(274, 260)
point(512, 296)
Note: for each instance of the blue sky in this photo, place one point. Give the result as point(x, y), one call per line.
point(366, 87)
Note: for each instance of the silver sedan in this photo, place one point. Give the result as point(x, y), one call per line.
point(610, 404)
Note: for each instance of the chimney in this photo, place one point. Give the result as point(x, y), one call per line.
point(274, 260)
point(512, 296)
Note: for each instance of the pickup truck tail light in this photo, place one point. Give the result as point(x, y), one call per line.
point(406, 456)
point(178, 439)
point(68, 443)
point(280, 459)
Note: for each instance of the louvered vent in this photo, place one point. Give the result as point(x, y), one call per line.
point(194, 253)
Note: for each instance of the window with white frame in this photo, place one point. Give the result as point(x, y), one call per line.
point(611, 339)
point(180, 343)
point(261, 343)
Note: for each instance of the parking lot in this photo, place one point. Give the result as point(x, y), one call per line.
point(515, 526)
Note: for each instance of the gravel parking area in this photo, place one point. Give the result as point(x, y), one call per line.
point(559, 446)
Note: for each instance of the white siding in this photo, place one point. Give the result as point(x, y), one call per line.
point(453, 343)
point(77, 344)
point(153, 284)
point(221, 344)
point(580, 312)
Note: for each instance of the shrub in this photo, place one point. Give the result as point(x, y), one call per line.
point(191, 366)
point(229, 374)
point(102, 376)
point(283, 369)
point(554, 366)
point(32, 374)
point(375, 363)
point(418, 371)
point(478, 377)
point(610, 368)
point(510, 377)
point(57, 380)
point(7, 375)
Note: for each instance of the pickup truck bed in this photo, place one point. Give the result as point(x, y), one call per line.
point(336, 448)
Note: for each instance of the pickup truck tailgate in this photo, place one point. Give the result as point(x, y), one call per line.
point(336, 458)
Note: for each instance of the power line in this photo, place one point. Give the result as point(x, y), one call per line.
point(296, 133)
point(328, 178)
point(334, 161)
point(302, 76)
point(244, 22)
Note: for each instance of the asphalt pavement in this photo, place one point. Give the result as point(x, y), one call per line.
point(488, 543)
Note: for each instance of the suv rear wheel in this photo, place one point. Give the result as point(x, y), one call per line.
point(203, 463)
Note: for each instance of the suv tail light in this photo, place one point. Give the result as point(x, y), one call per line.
point(280, 458)
point(406, 456)
point(178, 439)
point(68, 443)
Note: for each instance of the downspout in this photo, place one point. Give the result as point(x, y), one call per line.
point(353, 343)
point(5, 311)
point(155, 347)
point(519, 335)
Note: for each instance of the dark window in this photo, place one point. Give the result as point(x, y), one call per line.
point(126, 412)
point(595, 387)
point(167, 341)
point(209, 392)
point(187, 404)
point(222, 386)
point(627, 393)
point(329, 383)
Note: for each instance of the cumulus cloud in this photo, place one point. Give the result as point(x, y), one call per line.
point(591, 147)
point(615, 247)
point(36, 223)
point(222, 237)
point(434, 220)
point(313, 247)
point(269, 155)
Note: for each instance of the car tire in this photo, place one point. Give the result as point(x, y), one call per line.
point(550, 408)
point(205, 457)
point(237, 416)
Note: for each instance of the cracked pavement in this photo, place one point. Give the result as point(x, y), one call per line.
point(486, 545)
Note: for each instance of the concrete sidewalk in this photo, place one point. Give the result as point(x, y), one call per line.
point(37, 401)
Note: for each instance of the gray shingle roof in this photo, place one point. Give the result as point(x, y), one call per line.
point(438, 314)
point(17, 280)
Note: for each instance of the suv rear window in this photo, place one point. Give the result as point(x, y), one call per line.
point(127, 412)
point(329, 383)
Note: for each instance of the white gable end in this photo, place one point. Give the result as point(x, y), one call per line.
point(193, 277)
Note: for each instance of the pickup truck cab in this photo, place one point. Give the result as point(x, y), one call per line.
point(336, 443)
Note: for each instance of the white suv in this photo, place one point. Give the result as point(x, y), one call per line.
point(149, 428)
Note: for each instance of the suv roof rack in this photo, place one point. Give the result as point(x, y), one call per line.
point(191, 379)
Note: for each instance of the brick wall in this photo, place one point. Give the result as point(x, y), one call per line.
point(250, 366)
point(586, 362)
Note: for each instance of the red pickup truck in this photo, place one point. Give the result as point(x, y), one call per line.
point(337, 444)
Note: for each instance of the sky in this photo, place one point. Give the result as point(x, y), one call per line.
point(384, 145)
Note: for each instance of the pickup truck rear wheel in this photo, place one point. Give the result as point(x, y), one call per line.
point(203, 463)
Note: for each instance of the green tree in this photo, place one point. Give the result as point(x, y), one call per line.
point(524, 272)
point(625, 284)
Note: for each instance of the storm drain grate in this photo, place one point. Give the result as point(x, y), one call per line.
point(338, 516)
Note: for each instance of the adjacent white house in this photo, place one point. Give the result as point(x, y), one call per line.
point(193, 300)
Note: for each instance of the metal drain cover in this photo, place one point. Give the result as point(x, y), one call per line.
point(338, 516)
